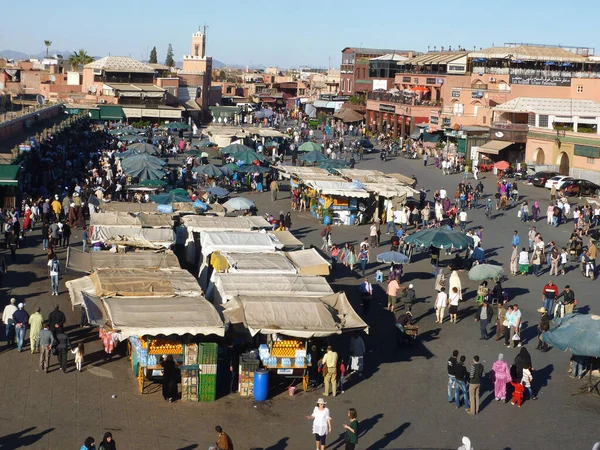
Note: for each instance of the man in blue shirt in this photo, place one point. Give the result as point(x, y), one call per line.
point(516, 239)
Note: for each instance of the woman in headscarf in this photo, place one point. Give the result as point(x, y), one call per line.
point(89, 444)
point(108, 443)
point(522, 360)
point(535, 211)
point(455, 283)
point(169, 387)
point(500, 376)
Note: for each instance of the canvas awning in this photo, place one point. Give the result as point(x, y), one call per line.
point(153, 238)
point(240, 242)
point(79, 286)
point(259, 263)
point(309, 262)
point(8, 174)
point(289, 241)
point(198, 224)
point(302, 317)
point(128, 207)
point(349, 115)
point(225, 286)
point(163, 316)
point(494, 147)
point(90, 261)
point(338, 188)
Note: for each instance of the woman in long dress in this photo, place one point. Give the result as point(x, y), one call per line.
point(455, 283)
point(500, 376)
point(514, 261)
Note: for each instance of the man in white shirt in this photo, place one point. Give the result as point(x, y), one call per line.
point(443, 193)
point(373, 234)
point(524, 261)
point(9, 323)
point(444, 167)
point(463, 220)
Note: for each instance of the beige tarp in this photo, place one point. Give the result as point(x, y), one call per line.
point(129, 207)
point(77, 287)
point(144, 282)
point(260, 263)
point(88, 262)
point(226, 286)
point(94, 309)
point(163, 316)
point(114, 219)
point(309, 262)
point(402, 178)
point(297, 316)
point(289, 241)
point(240, 242)
point(156, 220)
point(137, 237)
point(199, 224)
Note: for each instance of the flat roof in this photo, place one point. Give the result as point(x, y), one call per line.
point(529, 53)
point(434, 58)
point(120, 64)
point(551, 106)
point(381, 51)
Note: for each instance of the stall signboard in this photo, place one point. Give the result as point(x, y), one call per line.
point(387, 108)
point(532, 80)
point(334, 98)
point(285, 371)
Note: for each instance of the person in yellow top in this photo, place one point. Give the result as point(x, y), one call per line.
point(36, 323)
point(330, 360)
point(56, 207)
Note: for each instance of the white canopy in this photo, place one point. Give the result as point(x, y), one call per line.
point(259, 263)
point(114, 219)
point(79, 286)
point(302, 317)
point(289, 241)
point(228, 285)
point(199, 224)
point(309, 262)
point(137, 237)
point(240, 242)
point(339, 188)
point(90, 261)
point(156, 315)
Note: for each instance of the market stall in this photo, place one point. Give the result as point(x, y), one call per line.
point(90, 261)
point(289, 241)
point(309, 262)
point(339, 199)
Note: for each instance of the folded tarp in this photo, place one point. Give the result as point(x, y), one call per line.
point(128, 207)
point(158, 237)
point(225, 286)
point(309, 262)
point(240, 242)
point(94, 309)
point(114, 219)
point(289, 241)
point(144, 283)
point(346, 314)
point(79, 286)
point(88, 262)
point(260, 263)
point(199, 224)
point(338, 188)
point(163, 316)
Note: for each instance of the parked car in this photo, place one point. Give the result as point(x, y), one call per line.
point(540, 178)
point(366, 144)
point(557, 182)
point(580, 188)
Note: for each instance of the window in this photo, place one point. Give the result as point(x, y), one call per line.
point(349, 86)
point(416, 80)
point(484, 119)
point(455, 93)
point(579, 88)
point(591, 161)
point(430, 81)
point(456, 68)
point(406, 79)
point(302, 91)
point(543, 120)
point(531, 120)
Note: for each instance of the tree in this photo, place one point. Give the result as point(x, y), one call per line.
point(169, 61)
point(222, 75)
point(153, 57)
point(47, 44)
point(80, 58)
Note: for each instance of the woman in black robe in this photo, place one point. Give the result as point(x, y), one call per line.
point(169, 385)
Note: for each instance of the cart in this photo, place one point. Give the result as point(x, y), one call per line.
point(411, 331)
point(288, 359)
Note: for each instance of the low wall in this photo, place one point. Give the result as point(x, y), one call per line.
point(20, 124)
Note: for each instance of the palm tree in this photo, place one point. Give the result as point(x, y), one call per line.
point(47, 44)
point(80, 58)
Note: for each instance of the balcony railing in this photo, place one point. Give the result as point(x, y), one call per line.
point(399, 99)
point(510, 126)
point(535, 72)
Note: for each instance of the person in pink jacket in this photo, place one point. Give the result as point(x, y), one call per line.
point(500, 376)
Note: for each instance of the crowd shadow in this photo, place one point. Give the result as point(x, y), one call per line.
point(542, 376)
point(189, 447)
point(390, 437)
point(22, 438)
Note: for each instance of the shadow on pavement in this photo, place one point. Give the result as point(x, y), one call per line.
point(281, 444)
point(390, 437)
point(22, 438)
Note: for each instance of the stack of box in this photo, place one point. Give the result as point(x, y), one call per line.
point(190, 383)
point(249, 364)
point(190, 354)
point(207, 359)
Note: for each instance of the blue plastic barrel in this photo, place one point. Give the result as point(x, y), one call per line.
point(352, 219)
point(261, 385)
point(327, 220)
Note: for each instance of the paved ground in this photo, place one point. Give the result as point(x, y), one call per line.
point(401, 402)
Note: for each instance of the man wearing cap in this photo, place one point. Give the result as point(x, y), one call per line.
point(36, 322)
point(542, 328)
point(20, 317)
point(549, 294)
point(56, 208)
point(330, 360)
point(569, 299)
point(410, 298)
point(46, 210)
point(9, 323)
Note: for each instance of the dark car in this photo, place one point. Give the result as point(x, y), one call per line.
point(366, 144)
point(540, 178)
point(580, 188)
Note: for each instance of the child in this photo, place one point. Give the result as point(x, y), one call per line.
point(517, 395)
point(79, 353)
point(526, 381)
point(342, 372)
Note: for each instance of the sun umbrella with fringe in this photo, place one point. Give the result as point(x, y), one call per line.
point(392, 257)
point(238, 204)
point(439, 238)
point(153, 183)
point(502, 165)
point(309, 146)
point(579, 333)
point(144, 166)
point(218, 191)
point(229, 169)
point(252, 168)
point(143, 147)
point(482, 272)
point(204, 143)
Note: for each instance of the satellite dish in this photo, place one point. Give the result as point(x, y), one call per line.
point(93, 88)
point(40, 99)
point(52, 78)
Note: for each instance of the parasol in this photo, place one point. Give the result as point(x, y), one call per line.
point(248, 156)
point(238, 204)
point(313, 157)
point(393, 257)
point(502, 165)
point(174, 196)
point(234, 148)
point(485, 271)
point(439, 238)
point(209, 170)
point(153, 183)
point(309, 147)
point(218, 191)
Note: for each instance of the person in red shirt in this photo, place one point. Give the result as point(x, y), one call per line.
point(341, 371)
point(549, 294)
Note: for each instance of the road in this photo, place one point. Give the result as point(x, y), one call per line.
point(401, 401)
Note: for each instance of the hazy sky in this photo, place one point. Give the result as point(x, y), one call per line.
point(290, 33)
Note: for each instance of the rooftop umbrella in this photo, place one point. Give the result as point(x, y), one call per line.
point(309, 146)
point(439, 238)
point(174, 196)
point(174, 126)
point(194, 153)
point(210, 170)
point(234, 148)
point(238, 204)
point(393, 257)
point(228, 169)
point(218, 191)
point(485, 271)
point(314, 157)
point(248, 156)
point(502, 165)
point(334, 164)
point(153, 183)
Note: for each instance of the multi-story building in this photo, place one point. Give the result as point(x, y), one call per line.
point(354, 70)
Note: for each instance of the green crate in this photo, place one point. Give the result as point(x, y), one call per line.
point(208, 397)
point(207, 353)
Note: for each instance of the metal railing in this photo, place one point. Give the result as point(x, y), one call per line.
point(399, 99)
point(7, 116)
point(534, 72)
point(510, 126)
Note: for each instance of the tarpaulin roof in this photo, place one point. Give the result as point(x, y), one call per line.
point(114, 219)
point(338, 188)
point(302, 317)
point(144, 166)
point(289, 241)
point(158, 315)
point(77, 287)
point(129, 207)
point(136, 237)
point(144, 283)
point(349, 115)
point(228, 285)
point(199, 224)
point(260, 263)
point(309, 262)
point(240, 242)
point(90, 261)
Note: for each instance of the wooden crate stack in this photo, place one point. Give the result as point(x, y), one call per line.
point(190, 383)
point(248, 365)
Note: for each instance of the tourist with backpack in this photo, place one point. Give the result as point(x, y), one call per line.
point(53, 271)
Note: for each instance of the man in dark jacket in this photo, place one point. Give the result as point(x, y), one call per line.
point(462, 378)
point(568, 297)
point(542, 328)
point(410, 298)
point(452, 361)
point(57, 320)
point(475, 376)
point(63, 345)
point(20, 317)
point(484, 315)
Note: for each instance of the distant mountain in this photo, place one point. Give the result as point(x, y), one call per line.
point(16, 55)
